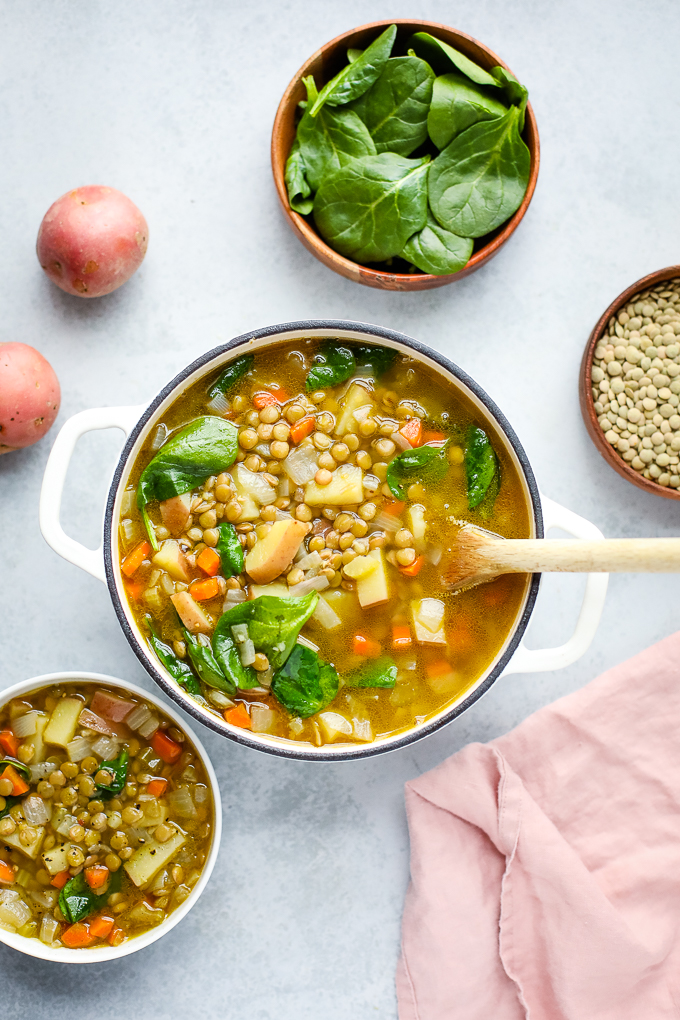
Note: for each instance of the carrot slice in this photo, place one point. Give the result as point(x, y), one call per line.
point(19, 784)
point(135, 589)
point(97, 876)
point(202, 590)
point(116, 937)
point(9, 743)
point(393, 507)
point(362, 645)
point(401, 636)
point(209, 561)
point(432, 437)
point(438, 668)
point(239, 717)
point(413, 568)
point(301, 429)
point(101, 926)
point(60, 879)
point(157, 787)
point(133, 560)
point(168, 749)
point(413, 431)
point(6, 873)
point(274, 395)
point(77, 936)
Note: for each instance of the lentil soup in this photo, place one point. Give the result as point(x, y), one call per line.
point(106, 815)
point(281, 536)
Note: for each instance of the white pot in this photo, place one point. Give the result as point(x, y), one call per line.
point(137, 423)
point(60, 954)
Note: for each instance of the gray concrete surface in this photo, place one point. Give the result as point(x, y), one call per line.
point(172, 102)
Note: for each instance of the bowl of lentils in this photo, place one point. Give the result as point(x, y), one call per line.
point(630, 383)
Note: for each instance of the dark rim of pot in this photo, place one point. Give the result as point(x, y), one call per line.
point(310, 327)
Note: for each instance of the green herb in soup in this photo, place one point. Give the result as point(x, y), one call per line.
point(297, 590)
point(105, 816)
point(408, 154)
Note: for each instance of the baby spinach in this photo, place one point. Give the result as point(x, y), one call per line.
point(204, 447)
point(297, 185)
point(479, 180)
point(435, 50)
point(228, 659)
point(234, 371)
point(229, 549)
point(330, 139)
point(358, 76)
point(368, 209)
point(332, 365)
point(77, 900)
point(395, 108)
point(206, 666)
point(481, 466)
point(380, 672)
point(457, 104)
point(513, 91)
point(118, 767)
point(273, 626)
point(353, 54)
point(305, 684)
point(379, 359)
point(178, 670)
point(436, 250)
point(426, 464)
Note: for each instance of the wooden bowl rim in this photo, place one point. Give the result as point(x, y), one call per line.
point(349, 268)
point(585, 398)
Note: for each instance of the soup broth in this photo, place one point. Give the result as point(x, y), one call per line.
point(335, 477)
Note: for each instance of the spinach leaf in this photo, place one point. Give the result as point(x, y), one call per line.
point(513, 91)
point(229, 660)
point(481, 466)
point(9, 804)
point(229, 549)
point(480, 178)
point(206, 666)
point(178, 670)
point(22, 769)
point(353, 54)
point(359, 75)
point(330, 139)
point(77, 900)
point(439, 53)
point(457, 104)
point(234, 371)
point(436, 250)
point(395, 108)
point(427, 464)
point(299, 192)
point(305, 684)
point(273, 626)
point(332, 365)
point(118, 767)
point(368, 209)
point(380, 672)
point(207, 446)
point(379, 358)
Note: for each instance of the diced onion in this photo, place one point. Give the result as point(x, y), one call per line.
point(148, 728)
point(326, 615)
point(247, 652)
point(284, 487)
point(308, 560)
point(48, 930)
point(67, 823)
point(25, 725)
point(388, 522)
point(310, 584)
point(218, 405)
point(334, 725)
point(430, 613)
point(362, 413)
point(362, 729)
point(254, 485)
point(220, 700)
point(137, 717)
point(127, 502)
point(35, 810)
point(180, 803)
point(262, 719)
point(45, 897)
point(434, 554)
point(234, 595)
point(105, 748)
point(41, 771)
point(307, 643)
point(79, 748)
point(301, 464)
point(160, 432)
point(281, 515)
point(401, 441)
point(15, 912)
point(371, 484)
point(128, 533)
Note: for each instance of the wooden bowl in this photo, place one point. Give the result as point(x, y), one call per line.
point(585, 397)
point(326, 63)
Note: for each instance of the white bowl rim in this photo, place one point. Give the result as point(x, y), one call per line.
point(61, 954)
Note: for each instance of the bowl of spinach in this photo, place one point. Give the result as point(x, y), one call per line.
point(405, 154)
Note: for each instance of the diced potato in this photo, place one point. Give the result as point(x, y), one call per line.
point(262, 719)
point(326, 615)
point(357, 396)
point(149, 858)
point(281, 591)
point(334, 726)
point(32, 849)
point(360, 567)
point(155, 812)
point(250, 511)
point(144, 914)
point(175, 513)
point(373, 589)
point(362, 729)
point(416, 521)
point(345, 487)
point(38, 738)
point(428, 621)
point(171, 558)
point(63, 721)
point(194, 618)
point(444, 683)
point(55, 860)
point(270, 556)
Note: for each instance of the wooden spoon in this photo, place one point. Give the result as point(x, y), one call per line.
point(478, 555)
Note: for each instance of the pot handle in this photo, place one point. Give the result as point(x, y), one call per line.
point(529, 660)
point(91, 560)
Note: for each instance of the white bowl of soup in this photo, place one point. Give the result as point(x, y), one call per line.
point(276, 529)
point(110, 819)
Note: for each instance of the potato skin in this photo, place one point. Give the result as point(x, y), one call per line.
point(29, 396)
point(92, 240)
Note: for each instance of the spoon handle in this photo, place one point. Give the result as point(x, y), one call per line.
point(613, 555)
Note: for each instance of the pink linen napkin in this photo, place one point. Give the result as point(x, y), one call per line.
point(545, 866)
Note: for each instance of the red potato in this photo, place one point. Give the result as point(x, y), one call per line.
point(92, 240)
point(29, 396)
